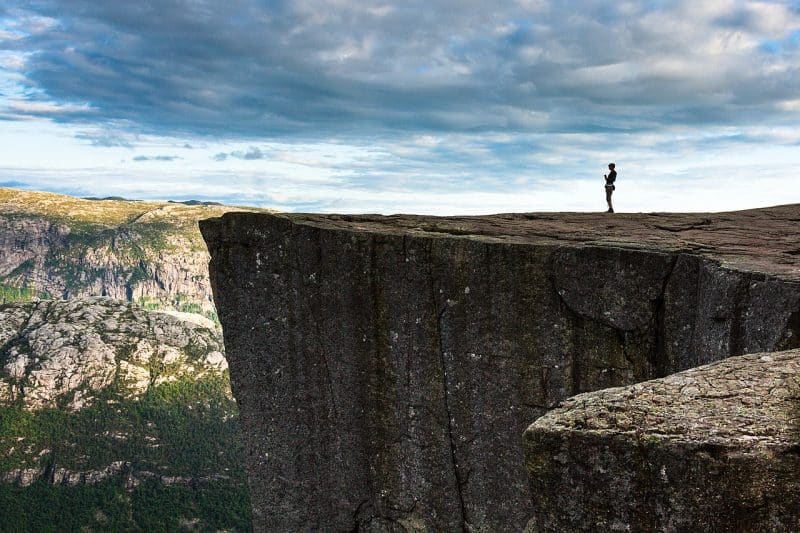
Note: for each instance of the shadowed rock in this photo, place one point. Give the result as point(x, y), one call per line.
point(385, 367)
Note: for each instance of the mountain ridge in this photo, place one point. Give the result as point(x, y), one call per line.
point(57, 246)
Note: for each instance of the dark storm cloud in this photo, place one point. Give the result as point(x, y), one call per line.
point(314, 68)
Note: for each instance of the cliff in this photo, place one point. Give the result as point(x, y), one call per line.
point(56, 246)
point(385, 367)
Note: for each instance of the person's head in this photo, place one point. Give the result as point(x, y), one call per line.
point(611, 166)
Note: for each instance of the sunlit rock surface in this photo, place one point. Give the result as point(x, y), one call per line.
point(65, 353)
point(57, 246)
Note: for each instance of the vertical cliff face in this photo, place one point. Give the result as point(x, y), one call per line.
point(386, 367)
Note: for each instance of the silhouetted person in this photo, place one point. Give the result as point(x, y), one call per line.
point(611, 177)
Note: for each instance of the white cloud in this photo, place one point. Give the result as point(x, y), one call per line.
point(11, 61)
point(23, 106)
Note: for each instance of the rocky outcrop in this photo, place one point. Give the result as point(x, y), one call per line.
point(385, 367)
point(714, 448)
point(96, 388)
point(65, 353)
point(24, 477)
point(55, 475)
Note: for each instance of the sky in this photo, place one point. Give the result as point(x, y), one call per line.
point(437, 106)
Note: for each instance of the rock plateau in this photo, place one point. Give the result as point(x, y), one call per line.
point(386, 367)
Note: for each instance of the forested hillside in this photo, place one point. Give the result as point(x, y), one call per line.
point(115, 404)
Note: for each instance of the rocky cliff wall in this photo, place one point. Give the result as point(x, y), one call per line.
point(50, 259)
point(385, 367)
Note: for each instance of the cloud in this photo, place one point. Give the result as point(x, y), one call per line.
point(156, 158)
point(107, 138)
point(322, 68)
point(251, 154)
point(45, 108)
point(344, 104)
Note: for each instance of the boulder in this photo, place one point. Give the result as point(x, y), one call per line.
point(714, 448)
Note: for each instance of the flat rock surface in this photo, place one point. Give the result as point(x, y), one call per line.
point(762, 240)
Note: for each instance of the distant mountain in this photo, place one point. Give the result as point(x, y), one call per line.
point(104, 198)
point(56, 246)
point(115, 404)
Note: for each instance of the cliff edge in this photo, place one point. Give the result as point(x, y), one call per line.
point(385, 367)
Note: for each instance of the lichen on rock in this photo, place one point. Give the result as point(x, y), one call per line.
point(714, 448)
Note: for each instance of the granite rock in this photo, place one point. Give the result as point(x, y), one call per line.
point(385, 367)
point(714, 448)
point(64, 353)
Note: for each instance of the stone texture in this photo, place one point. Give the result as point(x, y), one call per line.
point(385, 367)
point(714, 448)
point(62, 353)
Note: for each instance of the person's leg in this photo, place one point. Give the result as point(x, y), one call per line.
point(609, 191)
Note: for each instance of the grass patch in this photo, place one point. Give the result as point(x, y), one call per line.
point(9, 294)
